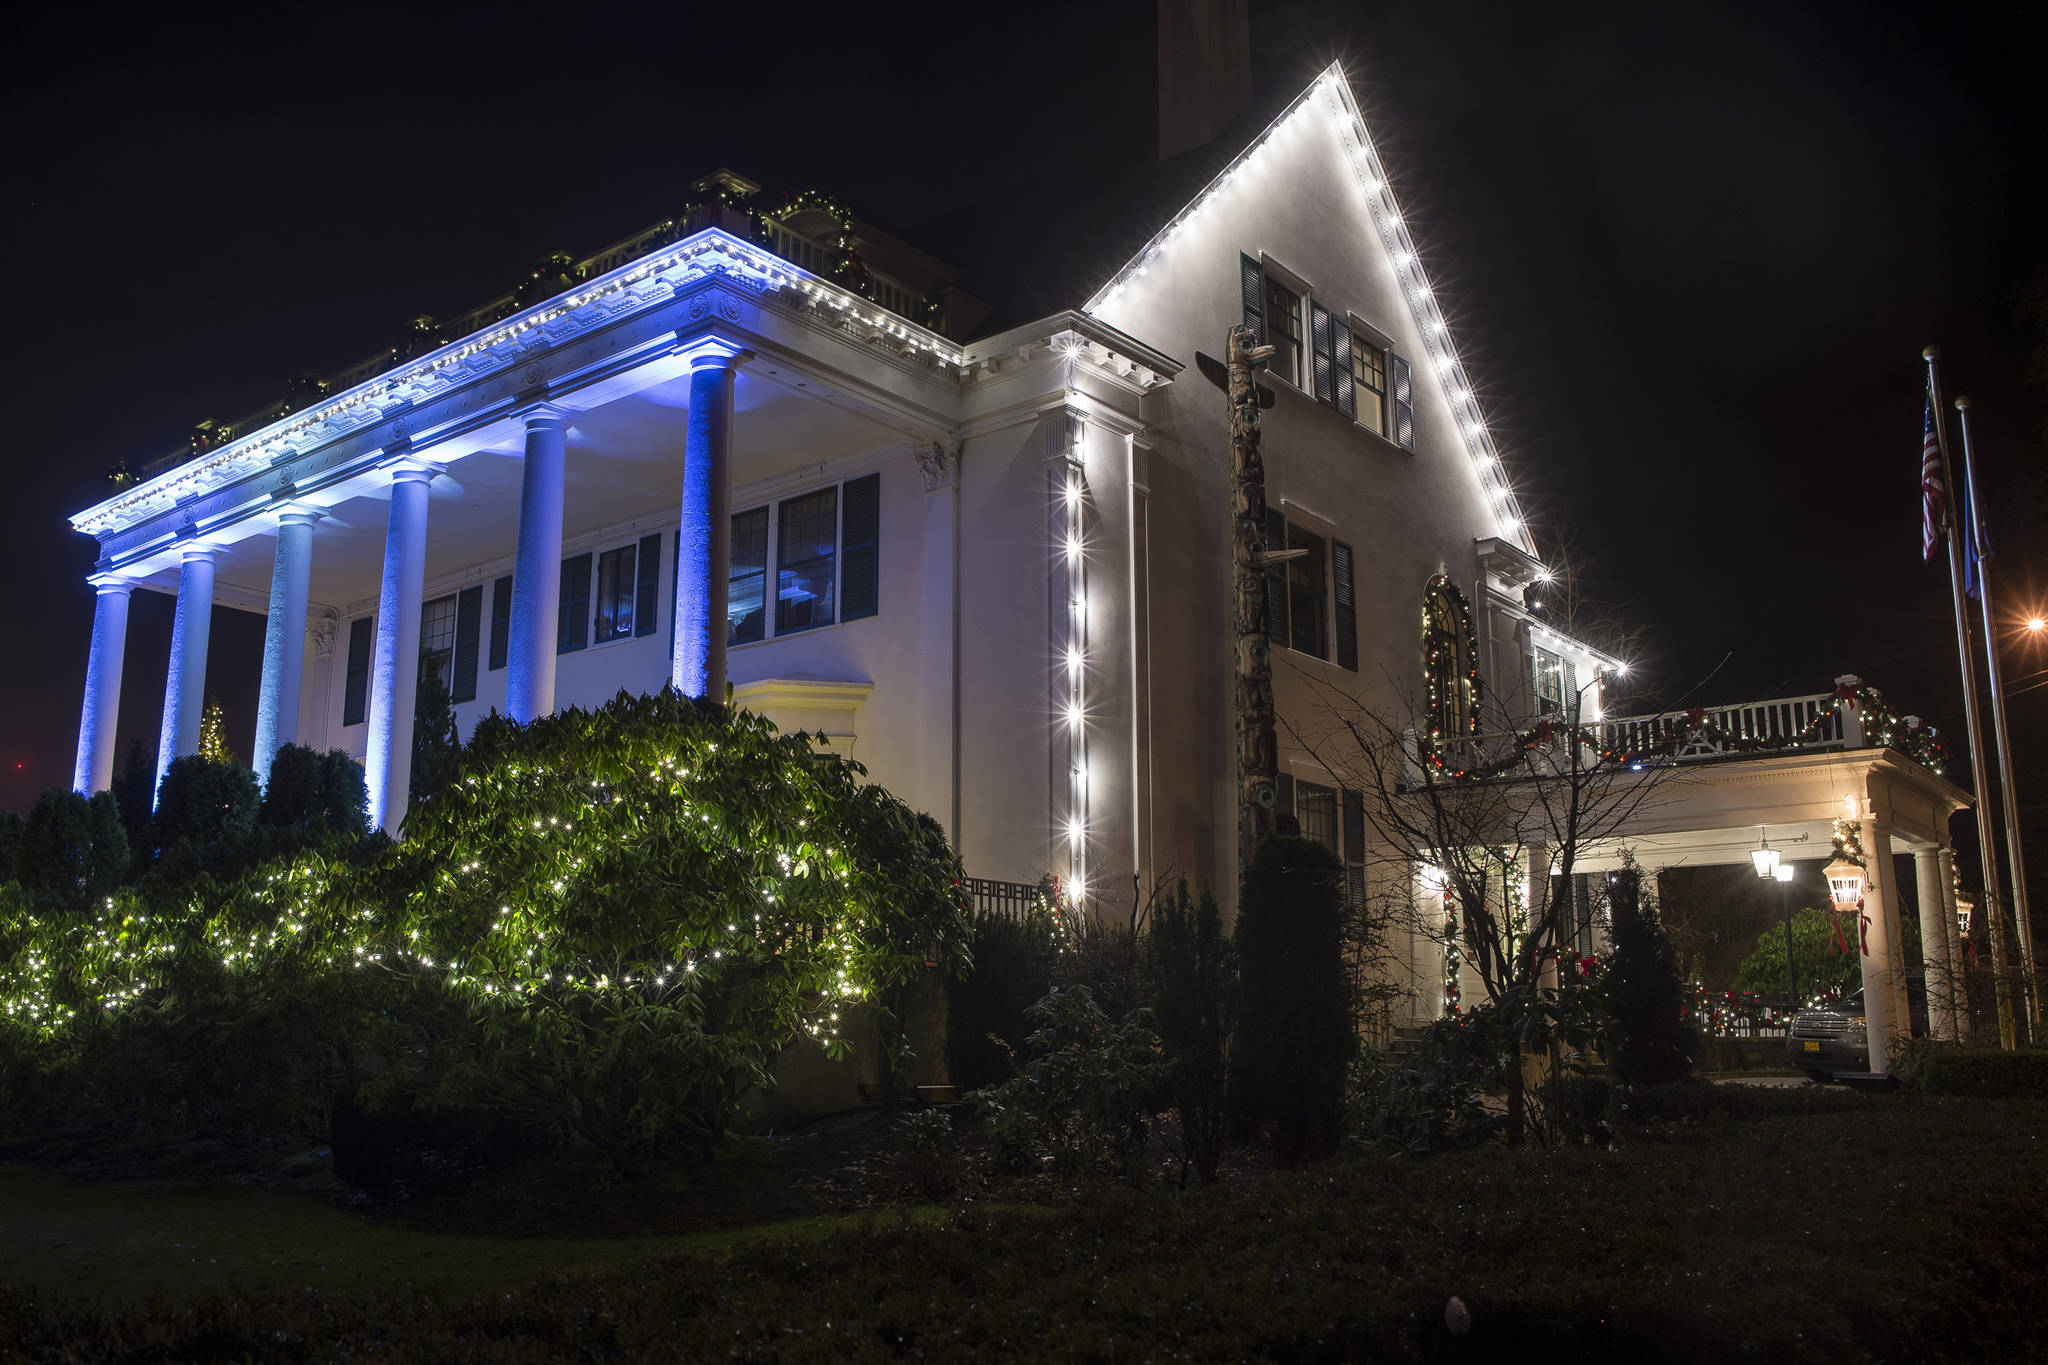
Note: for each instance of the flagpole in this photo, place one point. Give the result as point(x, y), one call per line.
point(1987, 850)
point(2013, 857)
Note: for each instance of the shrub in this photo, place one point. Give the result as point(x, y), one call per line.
point(205, 806)
point(1294, 1038)
point(1652, 1042)
point(1820, 969)
point(436, 744)
point(1984, 1071)
point(1010, 968)
point(1086, 1095)
point(11, 826)
point(317, 795)
point(1193, 972)
point(73, 851)
point(602, 931)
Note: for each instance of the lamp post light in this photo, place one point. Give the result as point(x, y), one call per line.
point(1770, 867)
point(1784, 872)
point(1845, 888)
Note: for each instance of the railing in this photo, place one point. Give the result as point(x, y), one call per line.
point(1810, 722)
point(1010, 899)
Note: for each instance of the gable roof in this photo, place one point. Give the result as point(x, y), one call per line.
point(1329, 96)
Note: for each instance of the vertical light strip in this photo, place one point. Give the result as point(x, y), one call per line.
point(1075, 550)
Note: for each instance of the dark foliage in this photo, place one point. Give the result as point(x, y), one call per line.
point(316, 795)
point(1984, 1071)
point(1294, 1039)
point(135, 789)
point(1011, 957)
point(1652, 1041)
point(1192, 967)
point(73, 851)
point(204, 806)
point(11, 826)
point(436, 745)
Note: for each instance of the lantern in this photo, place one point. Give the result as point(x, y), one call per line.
point(1764, 859)
point(1964, 905)
point(1845, 883)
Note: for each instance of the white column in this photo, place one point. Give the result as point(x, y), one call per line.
point(939, 741)
point(94, 771)
point(704, 543)
point(1884, 976)
point(537, 569)
point(284, 640)
point(1941, 976)
point(1536, 903)
point(395, 664)
point(1951, 930)
point(185, 681)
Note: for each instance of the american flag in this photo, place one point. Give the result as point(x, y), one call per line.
point(1931, 495)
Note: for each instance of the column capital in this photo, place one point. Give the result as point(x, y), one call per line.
point(110, 585)
point(713, 353)
point(199, 550)
point(300, 515)
point(416, 471)
point(541, 415)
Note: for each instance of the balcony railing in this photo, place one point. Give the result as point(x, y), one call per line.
point(1810, 722)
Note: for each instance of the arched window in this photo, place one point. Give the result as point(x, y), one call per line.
point(1450, 663)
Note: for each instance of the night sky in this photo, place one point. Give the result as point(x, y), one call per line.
point(1691, 258)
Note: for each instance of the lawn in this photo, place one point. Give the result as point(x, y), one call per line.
point(1820, 1228)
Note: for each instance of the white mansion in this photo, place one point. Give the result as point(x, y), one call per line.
point(746, 449)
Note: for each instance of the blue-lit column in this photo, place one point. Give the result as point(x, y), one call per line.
point(94, 771)
point(704, 544)
point(284, 639)
point(394, 668)
point(185, 682)
point(537, 569)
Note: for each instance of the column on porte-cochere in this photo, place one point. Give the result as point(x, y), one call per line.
point(1885, 1008)
point(537, 568)
point(284, 639)
point(94, 771)
point(1941, 972)
point(704, 542)
point(394, 670)
point(185, 681)
point(1536, 902)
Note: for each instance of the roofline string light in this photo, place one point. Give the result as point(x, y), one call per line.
point(1334, 92)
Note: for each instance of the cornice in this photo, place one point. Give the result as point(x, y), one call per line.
point(523, 342)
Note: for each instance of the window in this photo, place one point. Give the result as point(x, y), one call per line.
point(616, 580)
point(746, 607)
point(807, 536)
point(573, 624)
point(356, 689)
point(1316, 808)
point(437, 638)
point(1449, 664)
point(1369, 381)
point(501, 622)
point(1307, 624)
point(469, 613)
point(1548, 671)
point(647, 587)
point(1283, 330)
point(1299, 600)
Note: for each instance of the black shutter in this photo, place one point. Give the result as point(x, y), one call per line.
point(1340, 358)
point(1346, 593)
point(1253, 276)
point(647, 591)
point(572, 630)
point(860, 533)
point(501, 622)
point(1323, 347)
point(469, 620)
point(1276, 580)
point(1283, 795)
point(1403, 387)
point(1354, 849)
point(356, 691)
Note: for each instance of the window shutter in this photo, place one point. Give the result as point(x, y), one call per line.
point(1253, 276)
point(1346, 593)
point(356, 694)
point(860, 532)
point(469, 620)
point(1354, 849)
point(647, 590)
point(1283, 794)
point(1403, 386)
point(1324, 347)
point(1276, 580)
point(1340, 359)
point(501, 622)
point(572, 630)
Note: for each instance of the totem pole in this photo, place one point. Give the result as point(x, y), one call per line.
point(1258, 761)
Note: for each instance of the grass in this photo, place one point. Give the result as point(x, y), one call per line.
point(112, 1243)
point(1888, 1226)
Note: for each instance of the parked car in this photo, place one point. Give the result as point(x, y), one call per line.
point(1828, 1039)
